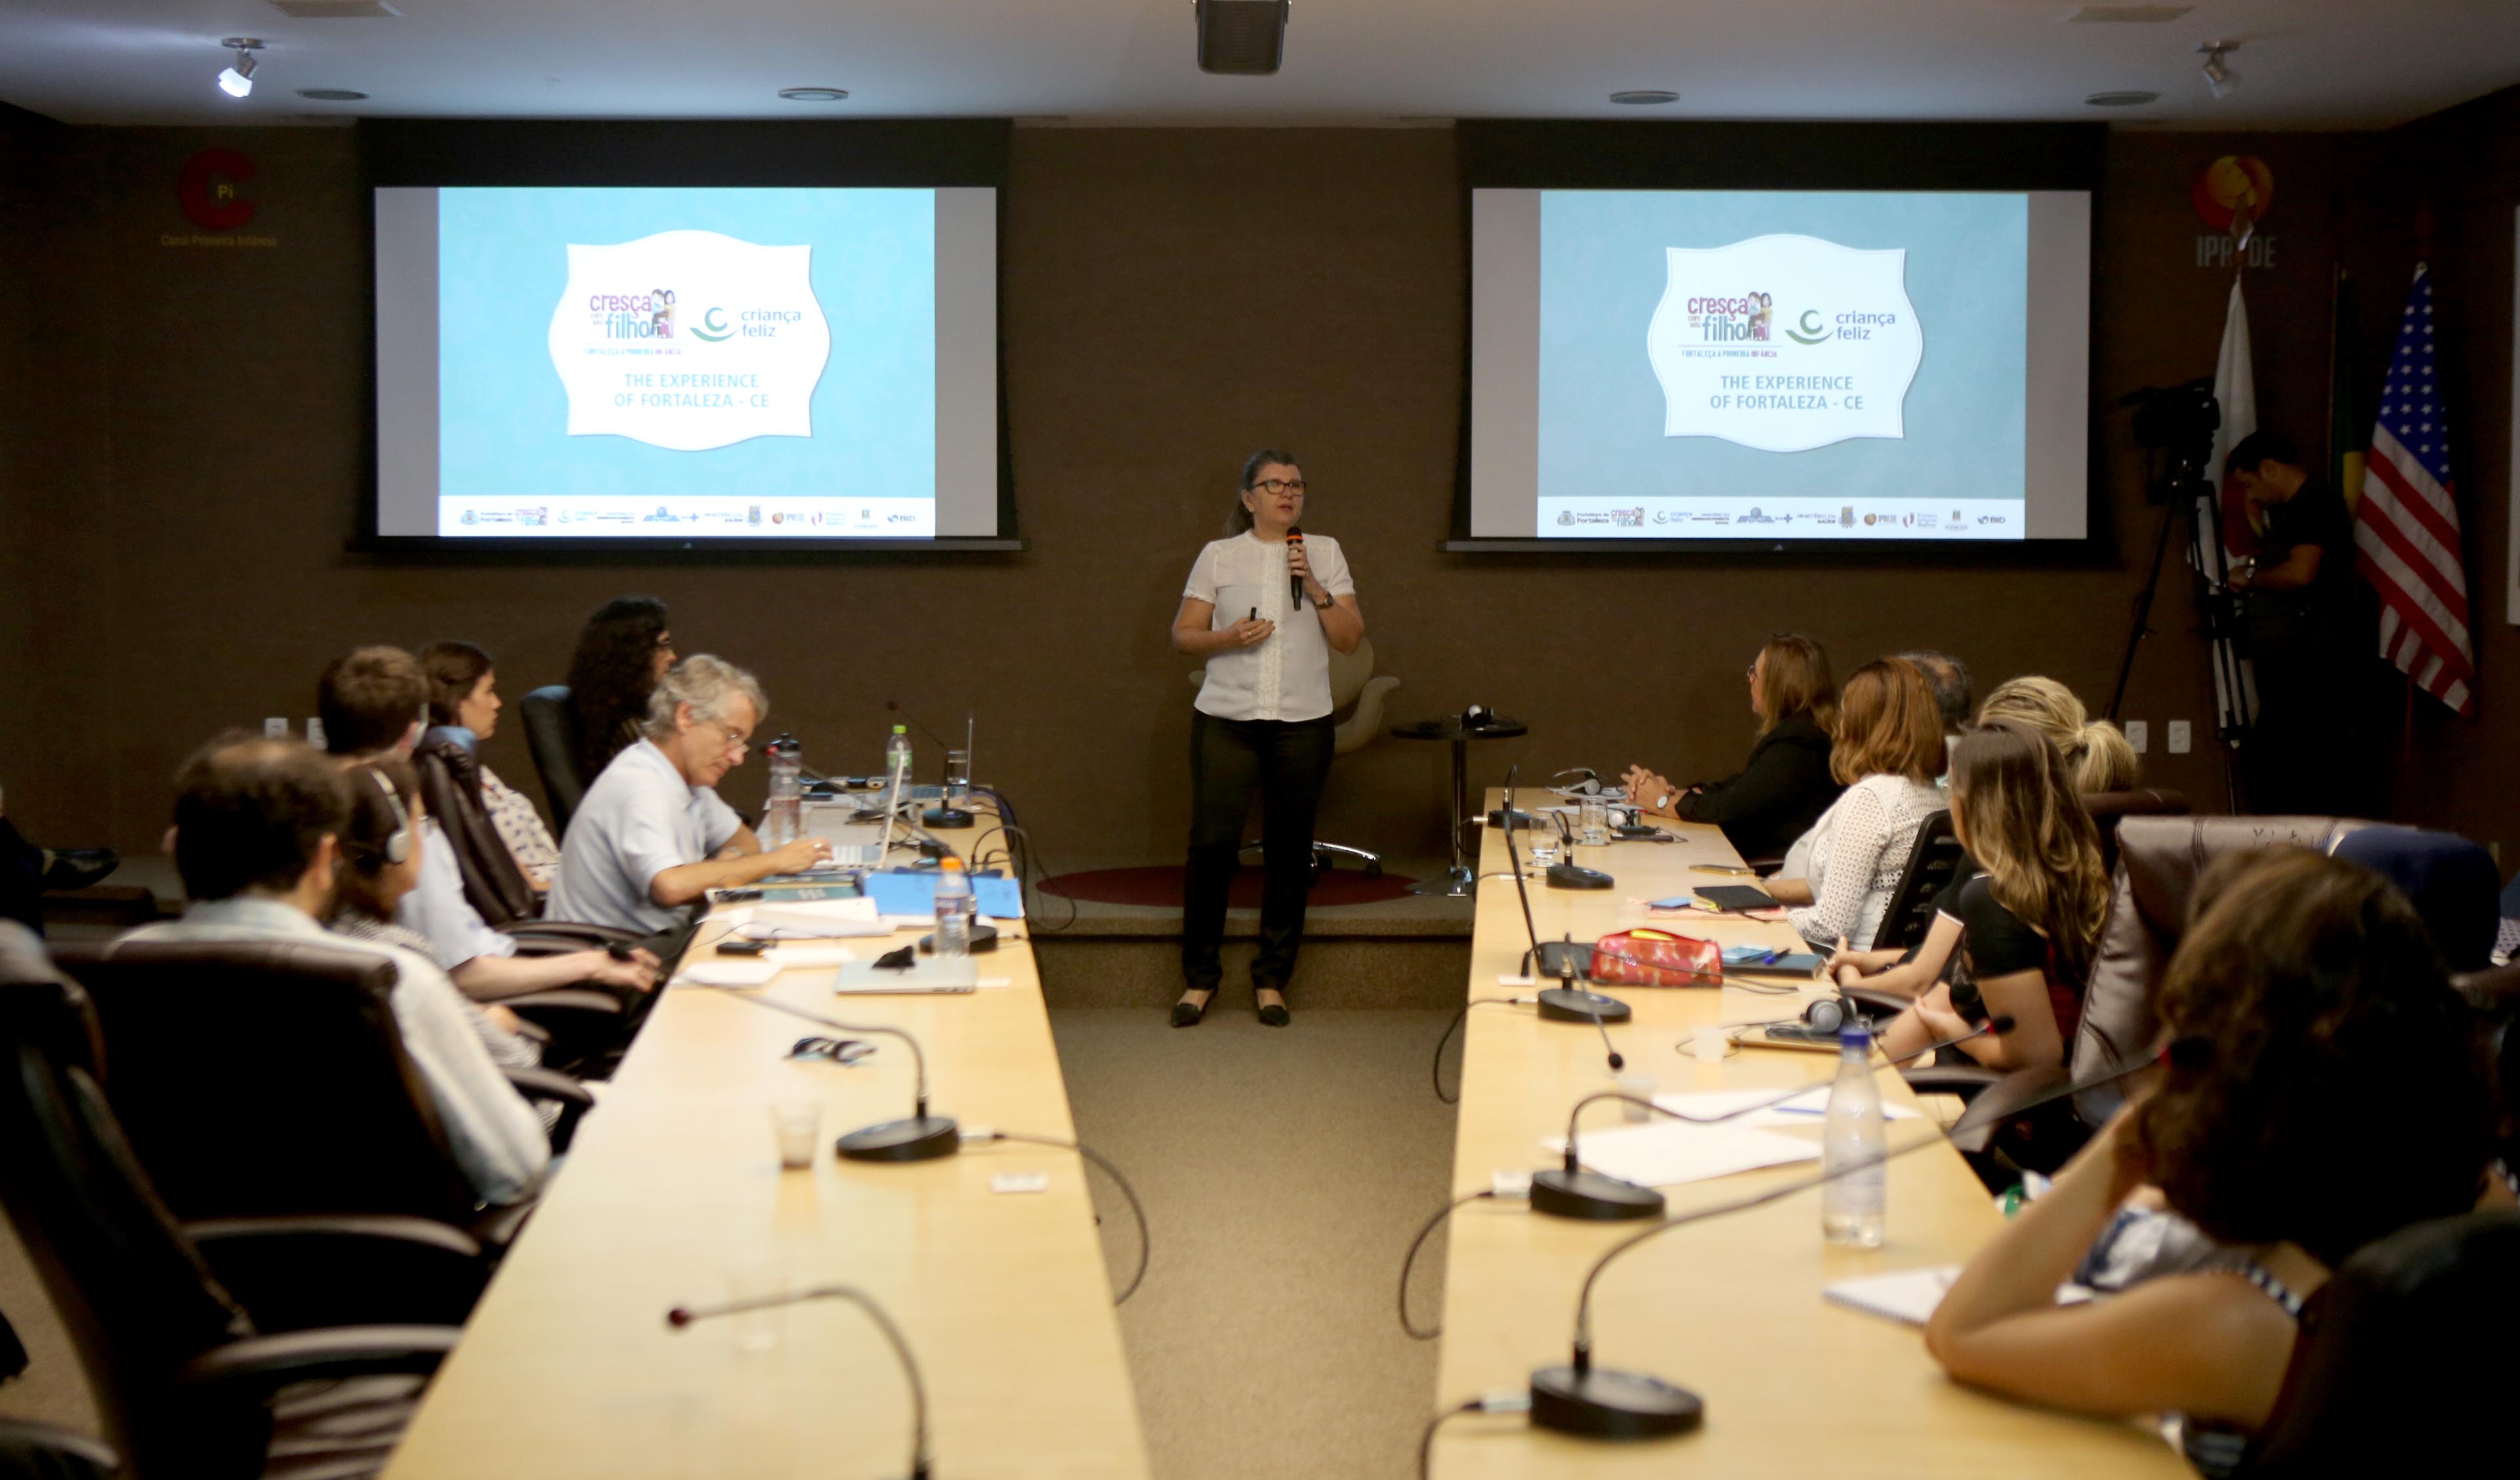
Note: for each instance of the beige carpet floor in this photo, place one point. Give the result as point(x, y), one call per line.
point(1284, 1171)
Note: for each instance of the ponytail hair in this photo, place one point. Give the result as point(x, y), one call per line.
point(2097, 753)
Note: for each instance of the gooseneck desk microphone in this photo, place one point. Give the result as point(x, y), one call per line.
point(1570, 1191)
point(1604, 1402)
point(1565, 960)
point(681, 1317)
point(920, 1138)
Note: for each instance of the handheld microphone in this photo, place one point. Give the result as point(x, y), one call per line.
point(681, 1318)
point(1294, 582)
point(1570, 1191)
point(1608, 1404)
point(920, 1138)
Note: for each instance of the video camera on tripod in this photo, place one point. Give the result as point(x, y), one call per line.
point(2177, 421)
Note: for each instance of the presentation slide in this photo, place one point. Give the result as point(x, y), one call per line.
point(686, 364)
point(1779, 365)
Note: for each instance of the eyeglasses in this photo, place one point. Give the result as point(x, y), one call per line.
point(844, 1051)
point(1274, 486)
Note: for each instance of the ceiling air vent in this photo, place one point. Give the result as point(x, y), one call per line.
point(335, 10)
point(2108, 14)
point(1241, 37)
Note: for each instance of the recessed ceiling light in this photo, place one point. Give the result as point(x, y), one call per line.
point(813, 94)
point(1645, 97)
point(330, 95)
point(2129, 99)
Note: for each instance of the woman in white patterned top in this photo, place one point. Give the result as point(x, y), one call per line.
point(464, 690)
point(1888, 747)
point(1265, 610)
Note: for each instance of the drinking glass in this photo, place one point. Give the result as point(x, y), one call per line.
point(1596, 825)
point(958, 776)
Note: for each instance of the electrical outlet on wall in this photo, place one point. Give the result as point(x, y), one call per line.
point(2178, 736)
point(315, 730)
point(275, 728)
point(2138, 734)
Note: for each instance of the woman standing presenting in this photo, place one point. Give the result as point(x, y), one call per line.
point(1264, 605)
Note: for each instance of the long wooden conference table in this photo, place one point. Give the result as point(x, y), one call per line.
point(673, 1190)
point(1729, 1309)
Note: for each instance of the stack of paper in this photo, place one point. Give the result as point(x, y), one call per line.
point(1808, 1109)
point(1668, 1152)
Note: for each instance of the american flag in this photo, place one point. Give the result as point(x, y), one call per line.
point(2405, 529)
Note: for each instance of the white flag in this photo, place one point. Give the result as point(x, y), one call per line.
point(2236, 390)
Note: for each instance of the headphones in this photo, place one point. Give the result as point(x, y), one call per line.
point(398, 843)
point(1588, 784)
point(1476, 716)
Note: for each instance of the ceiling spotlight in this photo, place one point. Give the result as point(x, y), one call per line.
point(1645, 97)
point(813, 94)
point(237, 80)
point(2220, 79)
point(2129, 99)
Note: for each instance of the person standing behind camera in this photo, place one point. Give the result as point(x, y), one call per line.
point(2297, 629)
point(1262, 722)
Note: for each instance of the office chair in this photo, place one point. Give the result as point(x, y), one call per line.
point(1358, 694)
point(551, 738)
point(258, 1078)
point(187, 1385)
point(2403, 1361)
point(1934, 861)
point(449, 764)
point(30, 1451)
point(2159, 859)
point(2108, 808)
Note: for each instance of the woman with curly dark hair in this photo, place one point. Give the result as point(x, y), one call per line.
point(624, 649)
point(2324, 1087)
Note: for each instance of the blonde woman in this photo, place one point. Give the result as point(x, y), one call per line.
point(2024, 929)
point(1786, 785)
point(2097, 753)
point(1888, 750)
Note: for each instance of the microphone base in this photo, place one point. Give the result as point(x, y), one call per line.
point(1577, 876)
point(1575, 1005)
point(946, 818)
point(1558, 959)
point(1591, 1198)
point(921, 1137)
point(1606, 1403)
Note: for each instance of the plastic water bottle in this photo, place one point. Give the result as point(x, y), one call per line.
point(896, 759)
point(1853, 1206)
point(955, 908)
point(785, 822)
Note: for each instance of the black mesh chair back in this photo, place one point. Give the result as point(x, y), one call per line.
point(268, 1077)
point(138, 1301)
point(2159, 859)
point(1934, 859)
point(2405, 1359)
point(550, 735)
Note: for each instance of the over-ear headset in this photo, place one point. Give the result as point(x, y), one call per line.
point(1477, 716)
point(398, 843)
point(1587, 783)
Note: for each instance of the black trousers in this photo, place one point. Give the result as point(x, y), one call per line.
point(21, 878)
point(1286, 762)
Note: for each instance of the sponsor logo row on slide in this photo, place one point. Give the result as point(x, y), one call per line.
point(715, 515)
point(1811, 519)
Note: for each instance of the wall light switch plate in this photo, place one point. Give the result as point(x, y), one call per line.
point(275, 728)
point(2178, 736)
point(315, 730)
point(2138, 734)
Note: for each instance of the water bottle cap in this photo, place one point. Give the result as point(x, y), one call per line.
point(950, 864)
point(1855, 1036)
point(901, 729)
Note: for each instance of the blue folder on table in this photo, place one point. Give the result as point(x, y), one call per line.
point(906, 893)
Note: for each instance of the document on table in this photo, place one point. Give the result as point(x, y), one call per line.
point(1670, 1153)
point(1805, 1109)
point(1911, 1297)
point(815, 919)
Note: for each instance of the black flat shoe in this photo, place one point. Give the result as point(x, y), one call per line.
point(1187, 1014)
point(1272, 1014)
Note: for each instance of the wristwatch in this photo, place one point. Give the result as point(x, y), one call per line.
point(1662, 803)
point(1322, 605)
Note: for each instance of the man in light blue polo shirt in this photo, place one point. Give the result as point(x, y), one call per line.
point(651, 836)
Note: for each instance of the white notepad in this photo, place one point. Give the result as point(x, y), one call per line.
point(731, 972)
point(927, 974)
point(1670, 1153)
point(1809, 1109)
point(1907, 1297)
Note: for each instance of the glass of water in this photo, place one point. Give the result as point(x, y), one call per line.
point(1596, 825)
point(958, 776)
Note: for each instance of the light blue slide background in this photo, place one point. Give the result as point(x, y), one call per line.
point(1602, 272)
point(503, 417)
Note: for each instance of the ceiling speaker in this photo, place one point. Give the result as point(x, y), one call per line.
point(1241, 37)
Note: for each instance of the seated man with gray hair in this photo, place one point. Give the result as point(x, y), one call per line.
point(651, 836)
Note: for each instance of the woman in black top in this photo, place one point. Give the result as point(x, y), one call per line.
point(624, 649)
point(1786, 786)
